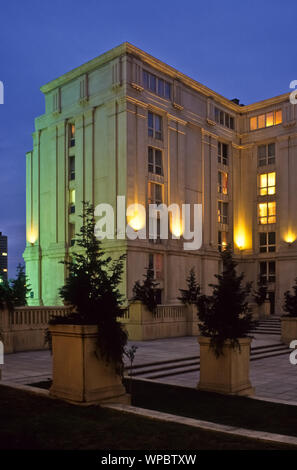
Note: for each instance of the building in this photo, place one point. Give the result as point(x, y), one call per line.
point(3, 258)
point(127, 124)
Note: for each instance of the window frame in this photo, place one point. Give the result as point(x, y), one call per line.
point(264, 190)
point(268, 246)
point(152, 130)
point(269, 275)
point(267, 216)
point(149, 78)
point(223, 159)
point(264, 117)
point(152, 166)
point(221, 186)
point(222, 217)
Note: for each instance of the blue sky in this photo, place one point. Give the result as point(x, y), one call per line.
point(239, 49)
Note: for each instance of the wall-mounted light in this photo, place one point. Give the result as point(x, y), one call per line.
point(177, 227)
point(290, 237)
point(240, 242)
point(136, 216)
point(32, 237)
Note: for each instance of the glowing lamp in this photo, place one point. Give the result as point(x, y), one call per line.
point(177, 227)
point(290, 238)
point(240, 242)
point(136, 217)
point(32, 237)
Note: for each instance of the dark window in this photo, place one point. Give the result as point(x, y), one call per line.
point(154, 126)
point(267, 271)
point(266, 154)
point(155, 161)
point(223, 153)
point(224, 119)
point(156, 85)
point(267, 242)
point(72, 168)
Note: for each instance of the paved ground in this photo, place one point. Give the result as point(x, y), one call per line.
point(273, 377)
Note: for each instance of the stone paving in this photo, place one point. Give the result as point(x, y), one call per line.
point(273, 377)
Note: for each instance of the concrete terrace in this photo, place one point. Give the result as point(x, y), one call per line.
point(176, 361)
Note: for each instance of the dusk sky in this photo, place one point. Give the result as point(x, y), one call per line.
point(239, 49)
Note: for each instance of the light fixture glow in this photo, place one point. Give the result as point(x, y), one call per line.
point(240, 241)
point(136, 216)
point(32, 237)
point(177, 227)
point(290, 237)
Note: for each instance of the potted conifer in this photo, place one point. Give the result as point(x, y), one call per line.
point(289, 320)
point(88, 344)
point(224, 322)
point(189, 297)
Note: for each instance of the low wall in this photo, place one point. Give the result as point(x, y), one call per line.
point(169, 321)
point(24, 328)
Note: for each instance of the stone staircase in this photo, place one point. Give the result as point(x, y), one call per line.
point(185, 365)
point(268, 326)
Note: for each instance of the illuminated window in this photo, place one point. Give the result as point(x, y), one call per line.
point(5, 270)
point(266, 154)
point(267, 212)
point(222, 240)
point(155, 161)
point(267, 242)
point(266, 120)
point(72, 201)
point(267, 271)
point(4, 254)
point(222, 212)
point(71, 135)
point(222, 153)
point(155, 193)
point(222, 182)
point(156, 85)
point(72, 168)
point(223, 118)
point(154, 126)
point(267, 184)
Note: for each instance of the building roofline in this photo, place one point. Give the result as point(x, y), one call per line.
point(129, 48)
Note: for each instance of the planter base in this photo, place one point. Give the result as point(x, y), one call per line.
point(228, 373)
point(115, 395)
point(245, 392)
point(80, 375)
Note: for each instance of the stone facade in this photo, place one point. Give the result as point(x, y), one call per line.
point(102, 123)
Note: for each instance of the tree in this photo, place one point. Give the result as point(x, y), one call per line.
point(19, 286)
point(13, 293)
point(224, 315)
point(290, 305)
point(147, 291)
point(6, 295)
point(261, 292)
point(92, 288)
point(191, 294)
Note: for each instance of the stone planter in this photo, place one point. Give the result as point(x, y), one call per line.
point(79, 375)
point(229, 373)
point(264, 309)
point(289, 329)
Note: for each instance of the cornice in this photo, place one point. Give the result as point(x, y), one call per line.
point(127, 48)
